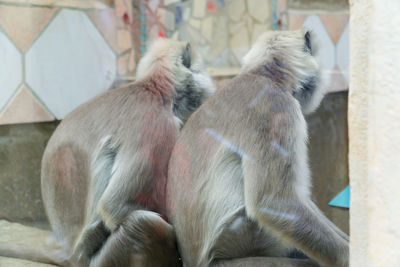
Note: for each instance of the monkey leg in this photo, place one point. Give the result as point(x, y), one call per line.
point(143, 239)
point(264, 262)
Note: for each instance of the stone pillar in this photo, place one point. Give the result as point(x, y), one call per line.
point(374, 132)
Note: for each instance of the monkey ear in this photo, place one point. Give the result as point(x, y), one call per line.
point(307, 38)
point(186, 57)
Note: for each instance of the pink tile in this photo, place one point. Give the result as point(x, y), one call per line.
point(296, 21)
point(124, 39)
point(106, 22)
point(132, 63)
point(335, 24)
point(123, 64)
point(281, 5)
point(23, 108)
point(120, 7)
point(24, 24)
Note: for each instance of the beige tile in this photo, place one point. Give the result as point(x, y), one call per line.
point(199, 8)
point(106, 22)
point(296, 21)
point(334, 24)
point(23, 108)
point(124, 40)
point(281, 5)
point(123, 64)
point(195, 23)
point(132, 63)
point(128, 6)
point(260, 10)
point(78, 4)
point(236, 9)
point(207, 28)
point(24, 24)
point(239, 43)
point(120, 8)
point(59, 3)
point(258, 29)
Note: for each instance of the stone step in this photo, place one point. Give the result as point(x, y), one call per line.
point(12, 262)
point(18, 234)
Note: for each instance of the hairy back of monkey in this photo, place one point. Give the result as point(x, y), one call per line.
point(135, 114)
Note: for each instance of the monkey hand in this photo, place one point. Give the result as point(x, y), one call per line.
point(91, 239)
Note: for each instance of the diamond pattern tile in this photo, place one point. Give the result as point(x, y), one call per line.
point(296, 21)
point(24, 24)
point(334, 24)
point(10, 69)
point(326, 48)
point(342, 53)
point(24, 108)
point(106, 22)
point(69, 63)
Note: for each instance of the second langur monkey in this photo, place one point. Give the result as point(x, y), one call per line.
point(104, 170)
point(239, 181)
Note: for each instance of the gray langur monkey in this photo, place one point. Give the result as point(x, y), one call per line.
point(104, 170)
point(238, 190)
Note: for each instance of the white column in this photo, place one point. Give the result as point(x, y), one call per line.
point(374, 132)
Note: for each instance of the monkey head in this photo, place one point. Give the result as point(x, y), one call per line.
point(185, 69)
point(289, 59)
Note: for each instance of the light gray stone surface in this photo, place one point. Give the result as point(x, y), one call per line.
point(21, 150)
point(11, 262)
point(15, 233)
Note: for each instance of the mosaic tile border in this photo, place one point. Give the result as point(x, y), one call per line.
point(79, 4)
point(22, 36)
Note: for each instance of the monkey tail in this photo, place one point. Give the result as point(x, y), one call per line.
point(36, 254)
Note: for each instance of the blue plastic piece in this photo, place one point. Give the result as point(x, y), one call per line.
point(178, 15)
point(342, 199)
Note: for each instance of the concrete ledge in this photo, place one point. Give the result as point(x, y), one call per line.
point(21, 263)
point(15, 233)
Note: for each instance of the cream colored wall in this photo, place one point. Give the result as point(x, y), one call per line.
point(374, 132)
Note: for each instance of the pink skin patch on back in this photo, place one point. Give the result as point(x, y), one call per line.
point(67, 168)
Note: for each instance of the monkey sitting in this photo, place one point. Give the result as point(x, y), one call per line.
point(104, 170)
point(238, 190)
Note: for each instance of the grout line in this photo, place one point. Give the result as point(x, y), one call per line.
point(40, 100)
point(44, 29)
point(31, 3)
point(100, 32)
point(10, 100)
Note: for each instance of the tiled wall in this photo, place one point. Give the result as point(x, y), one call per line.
point(222, 30)
point(55, 55)
point(332, 31)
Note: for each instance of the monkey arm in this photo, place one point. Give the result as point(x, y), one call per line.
point(118, 174)
point(276, 187)
point(129, 176)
